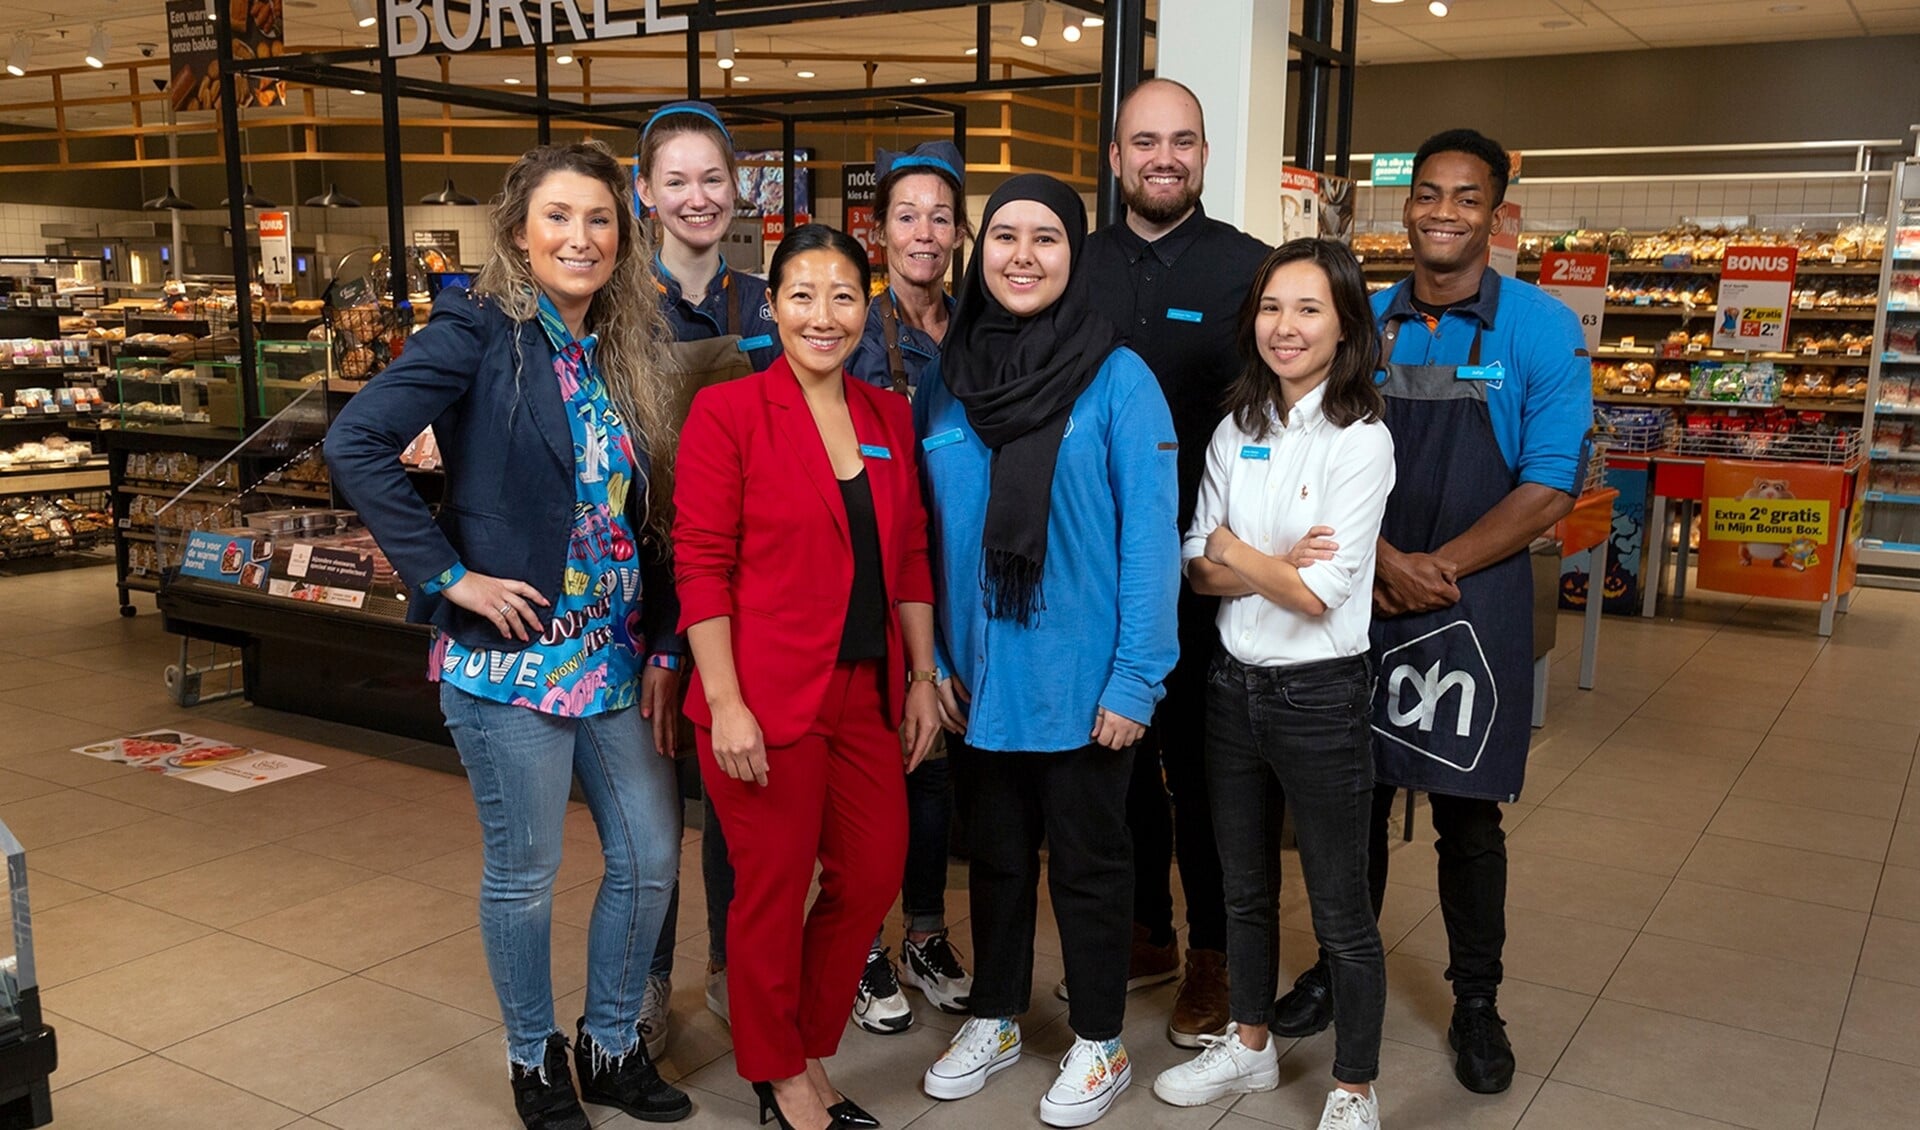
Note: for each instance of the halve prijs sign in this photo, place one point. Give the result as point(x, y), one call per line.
point(413, 24)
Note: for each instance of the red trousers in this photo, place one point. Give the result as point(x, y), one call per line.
point(838, 795)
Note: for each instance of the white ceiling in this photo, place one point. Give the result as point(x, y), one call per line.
point(834, 49)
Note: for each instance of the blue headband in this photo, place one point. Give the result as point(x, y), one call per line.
point(936, 156)
point(702, 109)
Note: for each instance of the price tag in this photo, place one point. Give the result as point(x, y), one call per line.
point(83, 406)
point(1626, 343)
point(1839, 259)
point(17, 410)
point(126, 523)
point(1889, 355)
point(1643, 300)
point(1856, 350)
point(50, 409)
point(45, 302)
point(1695, 347)
point(1803, 303)
point(1809, 350)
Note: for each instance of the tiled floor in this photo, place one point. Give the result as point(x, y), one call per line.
point(1715, 908)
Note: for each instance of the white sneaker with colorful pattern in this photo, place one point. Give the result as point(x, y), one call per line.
point(1092, 1075)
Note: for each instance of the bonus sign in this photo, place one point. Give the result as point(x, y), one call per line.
point(1756, 284)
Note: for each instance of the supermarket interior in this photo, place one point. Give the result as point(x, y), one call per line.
point(244, 862)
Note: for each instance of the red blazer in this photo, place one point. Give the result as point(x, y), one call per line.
point(760, 535)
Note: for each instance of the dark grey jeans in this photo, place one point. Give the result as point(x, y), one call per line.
point(1297, 737)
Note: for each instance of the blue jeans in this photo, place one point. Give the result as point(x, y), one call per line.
point(522, 764)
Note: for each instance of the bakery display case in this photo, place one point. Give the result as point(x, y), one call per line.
point(1890, 551)
point(161, 390)
point(61, 283)
point(293, 379)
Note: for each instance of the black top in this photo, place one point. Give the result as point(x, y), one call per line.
point(1177, 303)
point(865, 633)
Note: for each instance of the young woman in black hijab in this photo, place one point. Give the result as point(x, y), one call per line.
point(1050, 467)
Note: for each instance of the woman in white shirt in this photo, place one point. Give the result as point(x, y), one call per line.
point(1297, 479)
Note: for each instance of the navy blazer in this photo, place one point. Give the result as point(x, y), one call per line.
point(486, 384)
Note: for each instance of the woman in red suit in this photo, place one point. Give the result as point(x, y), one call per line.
point(801, 556)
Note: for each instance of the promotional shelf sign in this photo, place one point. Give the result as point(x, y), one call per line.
point(276, 247)
point(1772, 529)
point(1756, 284)
point(1578, 279)
point(1503, 249)
point(858, 187)
point(1299, 204)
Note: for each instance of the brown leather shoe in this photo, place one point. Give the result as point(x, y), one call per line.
point(1200, 1008)
point(1147, 964)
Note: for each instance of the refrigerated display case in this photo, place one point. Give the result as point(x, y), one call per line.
point(1890, 551)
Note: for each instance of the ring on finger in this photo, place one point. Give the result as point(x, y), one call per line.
point(505, 608)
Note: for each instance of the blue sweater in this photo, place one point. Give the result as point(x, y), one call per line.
point(1106, 634)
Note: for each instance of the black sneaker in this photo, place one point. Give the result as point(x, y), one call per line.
point(630, 1082)
point(880, 1007)
point(934, 968)
point(1483, 1060)
point(544, 1096)
point(1307, 1007)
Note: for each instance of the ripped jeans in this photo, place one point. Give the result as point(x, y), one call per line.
point(522, 764)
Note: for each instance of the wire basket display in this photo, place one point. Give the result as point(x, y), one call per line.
point(1840, 447)
point(368, 330)
point(1634, 431)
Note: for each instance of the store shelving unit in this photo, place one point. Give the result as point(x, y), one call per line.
point(1890, 553)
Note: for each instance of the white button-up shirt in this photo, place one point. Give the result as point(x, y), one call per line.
point(1270, 491)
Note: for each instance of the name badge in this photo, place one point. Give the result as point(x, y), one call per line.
point(874, 451)
point(1176, 314)
point(761, 341)
point(1491, 372)
point(1251, 451)
point(942, 439)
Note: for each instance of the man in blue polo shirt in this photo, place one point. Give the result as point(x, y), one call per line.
point(1489, 399)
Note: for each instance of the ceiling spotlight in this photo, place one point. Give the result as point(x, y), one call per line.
point(743, 78)
point(512, 82)
point(17, 58)
point(1438, 7)
point(1093, 21)
point(98, 46)
point(723, 49)
point(918, 80)
point(356, 93)
point(971, 51)
point(362, 12)
point(1387, 1)
point(564, 57)
point(803, 74)
point(1070, 31)
point(1032, 23)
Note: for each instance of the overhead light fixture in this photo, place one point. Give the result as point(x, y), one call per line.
point(803, 74)
point(565, 57)
point(743, 78)
point(1070, 31)
point(918, 80)
point(1033, 23)
point(362, 12)
point(251, 199)
point(213, 10)
point(332, 198)
point(511, 81)
point(449, 195)
point(1093, 21)
point(971, 51)
point(356, 93)
point(1438, 7)
point(18, 57)
point(723, 49)
point(167, 201)
point(98, 46)
point(1387, 1)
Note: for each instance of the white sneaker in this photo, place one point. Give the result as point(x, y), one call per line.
point(1226, 1067)
point(1348, 1111)
point(653, 1015)
point(717, 994)
point(980, 1050)
point(1092, 1075)
point(934, 968)
point(880, 1007)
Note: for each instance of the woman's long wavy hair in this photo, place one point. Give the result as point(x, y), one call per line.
point(626, 315)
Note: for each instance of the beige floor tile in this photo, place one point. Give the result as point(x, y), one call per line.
point(1747, 1078)
point(1590, 892)
point(1560, 1106)
point(1910, 807)
point(695, 1036)
point(327, 1044)
point(391, 839)
point(1769, 869)
point(1848, 705)
point(131, 853)
point(27, 731)
point(59, 764)
point(155, 791)
point(99, 932)
point(245, 885)
point(1904, 850)
point(453, 971)
point(163, 998)
point(1540, 1020)
point(85, 1052)
point(1417, 1087)
point(287, 809)
point(365, 924)
point(1892, 951)
point(1743, 990)
point(1821, 755)
point(156, 1094)
point(44, 892)
point(1680, 703)
point(42, 821)
point(1565, 747)
point(1792, 825)
point(1899, 894)
point(1664, 769)
point(1541, 780)
point(1760, 924)
point(1817, 789)
point(1559, 952)
point(1633, 845)
point(1862, 731)
point(1867, 1092)
point(1672, 805)
point(19, 786)
point(396, 779)
point(1696, 738)
point(1883, 1021)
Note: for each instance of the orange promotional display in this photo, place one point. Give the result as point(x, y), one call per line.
point(1503, 248)
point(1774, 529)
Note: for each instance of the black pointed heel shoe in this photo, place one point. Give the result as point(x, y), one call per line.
point(770, 1111)
point(849, 1113)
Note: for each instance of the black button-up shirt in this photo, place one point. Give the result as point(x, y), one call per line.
point(1176, 302)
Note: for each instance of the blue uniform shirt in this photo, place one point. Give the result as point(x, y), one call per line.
point(1541, 402)
point(714, 316)
point(869, 359)
point(1105, 635)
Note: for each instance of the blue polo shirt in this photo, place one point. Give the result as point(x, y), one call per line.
point(1541, 406)
point(713, 317)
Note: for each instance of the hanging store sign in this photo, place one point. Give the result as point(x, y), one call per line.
point(1299, 204)
point(858, 186)
point(193, 50)
point(461, 25)
point(1578, 279)
point(276, 247)
point(1756, 285)
point(1392, 169)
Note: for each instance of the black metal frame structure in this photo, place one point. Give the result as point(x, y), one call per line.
point(1318, 61)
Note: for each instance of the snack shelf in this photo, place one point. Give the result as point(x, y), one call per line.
point(1842, 449)
point(1654, 401)
point(1650, 353)
point(54, 477)
point(10, 417)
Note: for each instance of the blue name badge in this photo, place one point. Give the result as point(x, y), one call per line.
point(939, 440)
point(1250, 451)
point(874, 451)
point(761, 341)
point(1491, 372)
point(1176, 314)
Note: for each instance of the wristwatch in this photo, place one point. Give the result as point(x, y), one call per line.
point(922, 677)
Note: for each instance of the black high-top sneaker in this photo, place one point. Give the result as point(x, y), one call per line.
point(630, 1082)
point(544, 1096)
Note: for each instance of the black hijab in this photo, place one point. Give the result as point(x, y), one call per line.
point(1018, 379)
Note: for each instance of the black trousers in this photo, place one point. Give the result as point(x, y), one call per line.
point(1472, 880)
point(1173, 758)
point(1076, 802)
point(1297, 739)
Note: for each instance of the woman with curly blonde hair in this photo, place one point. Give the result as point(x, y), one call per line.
point(546, 576)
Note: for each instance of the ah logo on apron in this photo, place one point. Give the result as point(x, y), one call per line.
point(1437, 696)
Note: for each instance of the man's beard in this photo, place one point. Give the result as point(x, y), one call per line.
point(1161, 210)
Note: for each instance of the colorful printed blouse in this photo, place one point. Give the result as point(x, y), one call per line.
point(589, 659)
